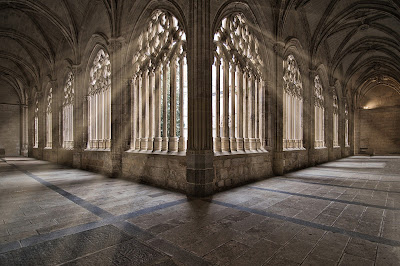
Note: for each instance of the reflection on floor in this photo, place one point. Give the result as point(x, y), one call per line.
point(341, 213)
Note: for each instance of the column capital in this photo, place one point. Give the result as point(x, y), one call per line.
point(279, 48)
point(116, 44)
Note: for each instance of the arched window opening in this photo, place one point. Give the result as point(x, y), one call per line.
point(319, 113)
point(335, 120)
point(346, 125)
point(292, 105)
point(49, 122)
point(68, 112)
point(36, 125)
point(159, 86)
point(99, 101)
point(237, 88)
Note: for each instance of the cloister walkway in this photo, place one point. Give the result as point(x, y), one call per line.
point(345, 212)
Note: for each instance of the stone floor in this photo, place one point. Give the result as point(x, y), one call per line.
point(345, 212)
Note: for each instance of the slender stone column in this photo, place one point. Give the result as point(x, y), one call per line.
point(257, 113)
point(225, 105)
point(144, 107)
point(133, 112)
point(173, 139)
point(139, 121)
point(217, 139)
point(165, 109)
point(157, 112)
point(150, 134)
point(252, 108)
point(246, 112)
point(240, 143)
point(181, 146)
point(233, 103)
point(200, 169)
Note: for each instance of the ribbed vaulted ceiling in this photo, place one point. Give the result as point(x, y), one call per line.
point(363, 37)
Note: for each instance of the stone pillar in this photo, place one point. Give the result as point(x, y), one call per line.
point(309, 115)
point(55, 120)
point(277, 105)
point(329, 123)
point(342, 126)
point(117, 88)
point(268, 126)
point(127, 116)
point(41, 124)
point(354, 127)
point(200, 170)
point(30, 124)
point(23, 130)
point(78, 116)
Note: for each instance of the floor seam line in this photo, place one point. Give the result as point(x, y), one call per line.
point(333, 229)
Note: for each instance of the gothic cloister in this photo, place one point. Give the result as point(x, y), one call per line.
point(179, 132)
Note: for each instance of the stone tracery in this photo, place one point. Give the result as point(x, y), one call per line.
point(159, 86)
point(292, 105)
point(99, 102)
point(237, 87)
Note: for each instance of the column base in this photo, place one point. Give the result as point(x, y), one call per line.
point(181, 144)
point(225, 144)
point(278, 165)
point(258, 144)
point(217, 144)
point(240, 144)
point(157, 144)
point(150, 144)
point(173, 144)
point(253, 144)
point(199, 173)
point(143, 144)
point(246, 144)
point(137, 144)
point(164, 144)
point(233, 144)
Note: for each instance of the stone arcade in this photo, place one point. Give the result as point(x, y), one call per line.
point(275, 123)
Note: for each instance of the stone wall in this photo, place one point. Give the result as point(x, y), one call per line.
point(97, 161)
point(295, 159)
point(233, 170)
point(321, 155)
point(378, 130)
point(337, 153)
point(10, 129)
point(156, 169)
